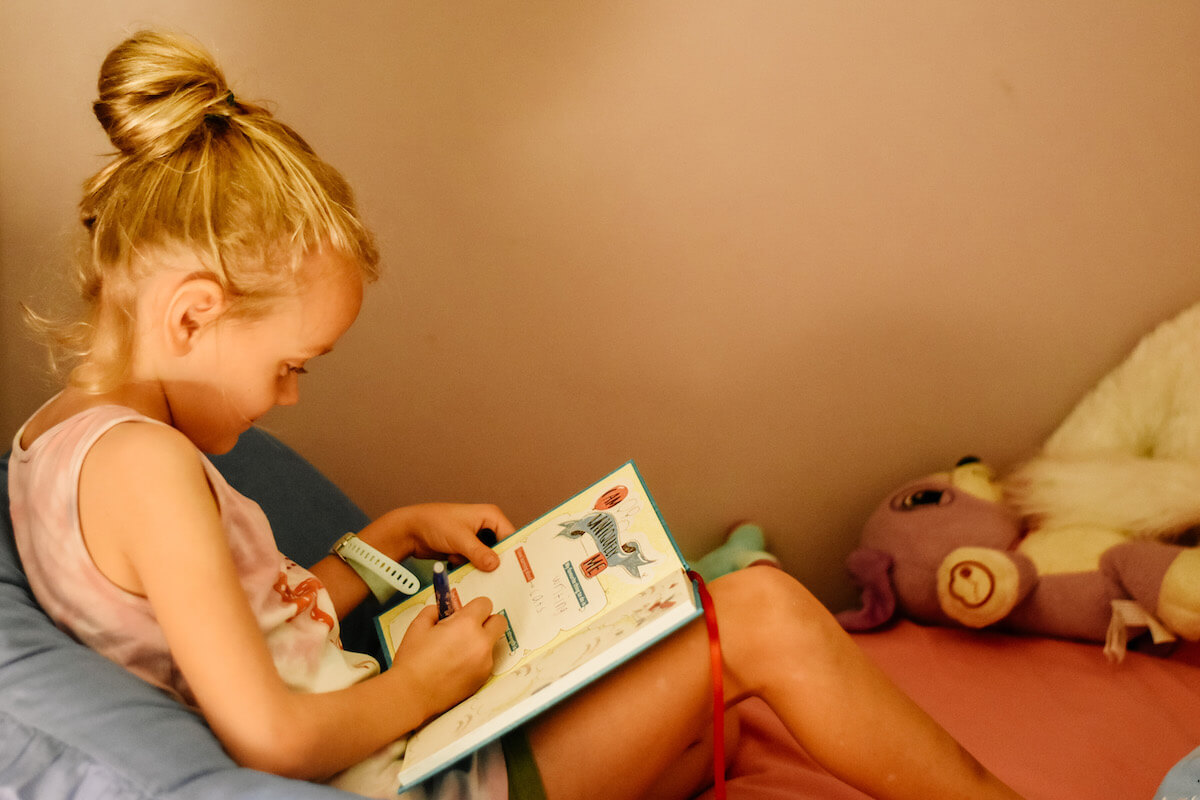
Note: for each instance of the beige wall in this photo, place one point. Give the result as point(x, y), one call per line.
point(785, 255)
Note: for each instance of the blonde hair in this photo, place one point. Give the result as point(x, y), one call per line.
point(201, 170)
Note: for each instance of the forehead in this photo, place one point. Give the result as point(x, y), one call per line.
point(327, 301)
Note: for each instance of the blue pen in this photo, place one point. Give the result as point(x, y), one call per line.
point(441, 589)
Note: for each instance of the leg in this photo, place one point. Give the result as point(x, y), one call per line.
point(630, 731)
point(692, 771)
point(643, 732)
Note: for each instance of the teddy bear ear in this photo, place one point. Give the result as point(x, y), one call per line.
point(871, 571)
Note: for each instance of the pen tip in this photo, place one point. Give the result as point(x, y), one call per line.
point(438, 566)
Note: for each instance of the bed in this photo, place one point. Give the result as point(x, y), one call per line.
point(1053, 718)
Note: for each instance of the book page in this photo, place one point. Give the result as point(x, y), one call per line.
point(557, 670)
point(597, 550)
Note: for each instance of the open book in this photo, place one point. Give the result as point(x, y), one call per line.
point(585, 587)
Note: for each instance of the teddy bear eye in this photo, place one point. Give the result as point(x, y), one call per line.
point(924, 497)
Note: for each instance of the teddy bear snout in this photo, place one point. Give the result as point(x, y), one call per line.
point(978, 585)
point(972, 583)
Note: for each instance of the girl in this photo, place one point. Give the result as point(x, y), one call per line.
point(224, 256)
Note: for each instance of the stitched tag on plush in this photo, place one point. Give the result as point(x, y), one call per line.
point(1128, 614)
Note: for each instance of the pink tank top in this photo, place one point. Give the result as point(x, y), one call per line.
point(292, 607)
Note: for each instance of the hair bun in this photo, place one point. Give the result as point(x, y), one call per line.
point(156, 89)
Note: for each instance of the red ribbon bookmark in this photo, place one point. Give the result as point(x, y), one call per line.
point(714, 651)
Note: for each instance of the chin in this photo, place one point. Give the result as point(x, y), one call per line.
point(219, 445)
point(217, 448)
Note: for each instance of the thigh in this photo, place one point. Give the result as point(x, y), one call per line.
point(630, 731)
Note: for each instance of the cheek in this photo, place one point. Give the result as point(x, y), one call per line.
point(252, 396)
point(271, 391)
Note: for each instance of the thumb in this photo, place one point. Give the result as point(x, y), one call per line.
point(482, 556)
point(426, 618)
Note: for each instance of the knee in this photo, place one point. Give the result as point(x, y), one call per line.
point(763, 589)
point(751, 584)
point(757, 606)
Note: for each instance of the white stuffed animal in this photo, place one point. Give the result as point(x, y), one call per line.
point(1125, 464)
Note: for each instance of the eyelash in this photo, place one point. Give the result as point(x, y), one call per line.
point(291, 370)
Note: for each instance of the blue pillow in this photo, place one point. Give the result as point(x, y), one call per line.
point(1183, 781)
point(73, 724)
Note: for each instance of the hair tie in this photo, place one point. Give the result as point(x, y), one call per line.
point(218, 114)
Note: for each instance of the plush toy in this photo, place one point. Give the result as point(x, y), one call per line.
point(1127, 458)
point(947, 550)
point(1086, 540)
point(745, 544)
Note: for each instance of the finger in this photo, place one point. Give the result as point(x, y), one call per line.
point(480, 555)
point(496, 625)
point(498, 523)
point(424, 620)
point(478, 609)
point(427, 615)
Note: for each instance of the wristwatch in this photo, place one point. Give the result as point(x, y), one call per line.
point(383, 576)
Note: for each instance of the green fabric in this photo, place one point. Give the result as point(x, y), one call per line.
point(745, 545)
point(524, 779)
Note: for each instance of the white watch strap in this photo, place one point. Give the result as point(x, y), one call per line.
point(379, 572)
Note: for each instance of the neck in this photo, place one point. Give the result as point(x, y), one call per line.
point(140, 397)
point(145, 397)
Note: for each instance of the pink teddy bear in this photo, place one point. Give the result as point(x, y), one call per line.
point(947, 550)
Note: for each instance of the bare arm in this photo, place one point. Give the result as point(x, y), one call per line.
point(146, 509)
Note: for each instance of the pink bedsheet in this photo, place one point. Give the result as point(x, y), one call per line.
point(1052, 718)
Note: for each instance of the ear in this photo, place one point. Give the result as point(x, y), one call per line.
point(194, 304)
point(871, 571)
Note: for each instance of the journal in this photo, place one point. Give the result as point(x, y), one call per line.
point(585, 587)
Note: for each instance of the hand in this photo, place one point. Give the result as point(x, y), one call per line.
point(450, 659)
point(440, 530)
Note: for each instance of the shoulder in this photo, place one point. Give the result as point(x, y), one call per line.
point(140, 458)
point(140, 480)
point(137, 442)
